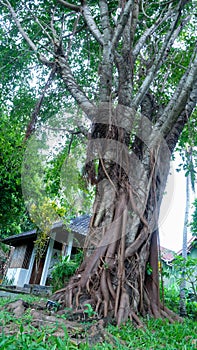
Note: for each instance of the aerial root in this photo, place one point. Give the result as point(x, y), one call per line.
point(165, 315)
point(98, 334)
point(171, 314)
point(136, 319)
point(123, 310)
point(155, 310)
point(110, 286)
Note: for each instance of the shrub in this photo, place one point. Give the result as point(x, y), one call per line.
point(172, 300)
point(64, 269)
point(172, 291)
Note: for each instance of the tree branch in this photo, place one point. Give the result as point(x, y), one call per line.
point(21, 30)
point(91, 24)
point(25, 35)
point(167, 43)
point(105, 20)
point(173, 136)
point(147, 33)
point(87, 16)
point(67, 76)
point(86, 105)
point(41, 26)
point(73, 33)
point(36, 111)
point(134, 20)
point(179, 100)
point(122, 23)
point(70, 6)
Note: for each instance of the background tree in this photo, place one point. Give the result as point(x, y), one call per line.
point(125, 65)
point(194, 219)
point(184, 245)
point(13, 213)
point(187, 150)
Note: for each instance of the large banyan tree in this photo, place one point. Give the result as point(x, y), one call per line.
point(131, 67)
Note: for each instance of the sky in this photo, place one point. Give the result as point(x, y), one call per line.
point(173, 209)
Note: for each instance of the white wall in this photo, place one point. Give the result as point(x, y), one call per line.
point(17, 276)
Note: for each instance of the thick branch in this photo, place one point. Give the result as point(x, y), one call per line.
point(105, 20)
point(21, 30)
point(70, 6)
point(125, 81)
point(74, 88)
point(122, 23)
point(124, 62)
point(168, 41)
point(107, 62)
point(91, 24)
point(134, 20)
point(87, 16)
point(183, 101)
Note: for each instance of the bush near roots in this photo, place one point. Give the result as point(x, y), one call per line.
point(64, 269)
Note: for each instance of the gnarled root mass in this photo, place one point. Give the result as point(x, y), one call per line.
point(113, 286)
point(100, 299)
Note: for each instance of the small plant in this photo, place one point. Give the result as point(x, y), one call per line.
point(7, 282)
point(171, 297)
point(64, 269)
point(172, 291)
point(89, 310)
point(189, 266)
point(172, 300)
point(149, 269)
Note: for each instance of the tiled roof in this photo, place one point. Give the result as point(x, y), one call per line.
point(20, 237)
point(167, 255)
point(80, 224)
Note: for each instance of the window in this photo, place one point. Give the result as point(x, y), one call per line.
point(27, 257)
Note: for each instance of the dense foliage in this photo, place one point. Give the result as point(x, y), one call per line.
point(194, 219)
point(174, 279)
point(64, 269)
point(13, 214)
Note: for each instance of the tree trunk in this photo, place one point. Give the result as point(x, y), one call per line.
point(182, 306)
point(119, 276)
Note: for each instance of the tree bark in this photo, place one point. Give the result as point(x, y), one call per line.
point(182, 306)
point(122, 242)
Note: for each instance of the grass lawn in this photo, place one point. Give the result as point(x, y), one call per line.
point(21, 333)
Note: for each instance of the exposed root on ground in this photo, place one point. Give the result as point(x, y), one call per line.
point(81, 329)
point(81, 326)
point(113, 283)
point(118, 290)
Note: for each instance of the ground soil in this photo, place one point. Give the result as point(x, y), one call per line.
point(81, 328)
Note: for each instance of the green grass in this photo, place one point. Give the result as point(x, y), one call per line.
point(158, 334)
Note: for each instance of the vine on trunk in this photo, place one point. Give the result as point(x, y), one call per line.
point(113, 277)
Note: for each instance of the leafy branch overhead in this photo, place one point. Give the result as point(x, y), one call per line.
point(148, 54)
